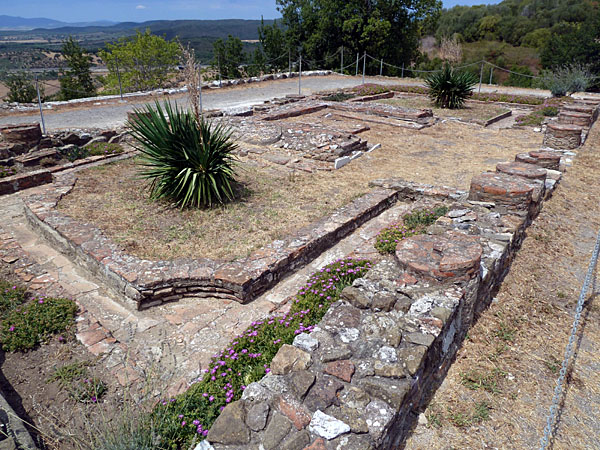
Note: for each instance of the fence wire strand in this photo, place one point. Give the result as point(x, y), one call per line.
point(545, 440)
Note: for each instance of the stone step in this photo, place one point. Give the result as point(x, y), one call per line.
point(34, 158)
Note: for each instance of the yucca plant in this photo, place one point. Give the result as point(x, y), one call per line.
point(450, 89)
point(188, 161)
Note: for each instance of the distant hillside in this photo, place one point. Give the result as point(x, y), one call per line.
point(12, 23)
point(517, 22)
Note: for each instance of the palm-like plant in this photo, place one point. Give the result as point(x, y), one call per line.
point(188, 162)
point(450, 89)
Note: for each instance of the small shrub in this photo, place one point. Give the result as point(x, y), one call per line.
point(412, 223)
point(104, 148)
point(188, 162)
point(549, 111)
point(339, 97)
point(7, 171)
point(567, 79)
point(188, 417)
point(450, 89)
point(370, 89)
point(73, 153)
point(27, 326)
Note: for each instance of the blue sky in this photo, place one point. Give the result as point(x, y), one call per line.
point(141, 10)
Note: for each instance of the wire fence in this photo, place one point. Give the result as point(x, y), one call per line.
point(334, 61)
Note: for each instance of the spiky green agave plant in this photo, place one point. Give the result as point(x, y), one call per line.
point(188, 162)
point(450, 89)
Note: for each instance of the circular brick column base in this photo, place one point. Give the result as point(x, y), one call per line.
point(561, 136)
point(450, 256)
point(575, 118)
point(519, 169)
point(502, 189)
point(547, 160)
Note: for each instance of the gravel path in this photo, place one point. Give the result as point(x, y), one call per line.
point(114, 114)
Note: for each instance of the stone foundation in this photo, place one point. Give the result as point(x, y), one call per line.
point(356, 380)
point(150, 283)
point(545, 159)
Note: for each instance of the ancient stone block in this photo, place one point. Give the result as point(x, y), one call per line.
point(28, 134)
point(230, 427)
point(288, 359)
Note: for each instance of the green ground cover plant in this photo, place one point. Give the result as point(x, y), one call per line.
point(186, 419)
point(7, 171)
point(26, 323)
point(413, 223)
point(104, 148)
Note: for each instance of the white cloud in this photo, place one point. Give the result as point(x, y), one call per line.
point(140, 7)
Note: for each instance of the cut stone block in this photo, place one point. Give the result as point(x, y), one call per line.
point(29, 134)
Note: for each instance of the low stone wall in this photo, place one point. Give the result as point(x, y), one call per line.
point(151, 283)
point(358, 379)
point(355, 381)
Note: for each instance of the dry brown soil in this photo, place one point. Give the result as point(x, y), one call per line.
point(497, 394)
point(274, 201)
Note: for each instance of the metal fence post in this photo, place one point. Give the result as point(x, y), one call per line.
point(300, 76)
point(356, 74)
point(491, 74)
point(480, 76)
point(119, 77)
point(402, 73)
point(37, 88)
point(290, 62)
point(219, 67)
point(364, 66)
point(342, 62)
point(381, 68)
point(200, 87)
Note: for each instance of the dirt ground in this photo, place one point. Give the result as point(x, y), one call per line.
point(54, 419)
point(276, 202)
point(497, 394)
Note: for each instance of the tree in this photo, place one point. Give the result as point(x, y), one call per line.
point(144, 61)
point(76, 82)
point(387, 29)
point(272, 40)
point(229, 55)
point(20, 88)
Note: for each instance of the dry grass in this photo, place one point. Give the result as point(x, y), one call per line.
point(447, 153)
point(473, 111)
point(515, 350)
point(276, 202)
point(272, 203)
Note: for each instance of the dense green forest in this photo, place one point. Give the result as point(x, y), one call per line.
point(562, 31)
